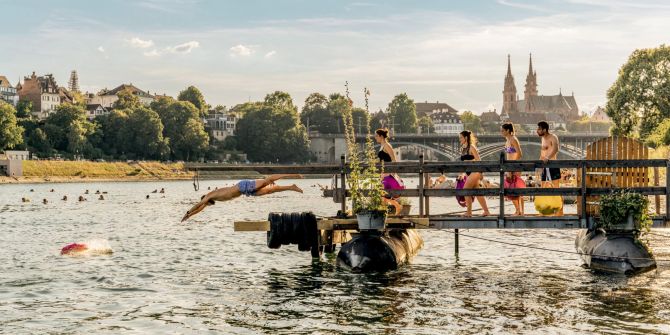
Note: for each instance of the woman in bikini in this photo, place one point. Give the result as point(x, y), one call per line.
point(513, 152)
point(390, 181)
point(469, 153)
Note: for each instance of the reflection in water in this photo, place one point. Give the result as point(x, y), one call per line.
point(168, 277)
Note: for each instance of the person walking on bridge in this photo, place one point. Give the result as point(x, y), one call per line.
point(469, 153)
point(549, 151)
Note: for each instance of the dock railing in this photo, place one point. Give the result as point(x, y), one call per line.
point(421, 168)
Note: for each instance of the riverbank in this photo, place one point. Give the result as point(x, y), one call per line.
point(84, 171)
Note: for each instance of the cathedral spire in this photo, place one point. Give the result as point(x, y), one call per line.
point(509, 92)
point(531, 87)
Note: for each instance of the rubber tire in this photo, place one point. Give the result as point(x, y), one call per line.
point(286, 228)
point(303, 245)
point(296, 225)
point(274, 235)
point(310, 229)
point(329, 249)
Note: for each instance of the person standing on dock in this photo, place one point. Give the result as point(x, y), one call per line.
point(549, 151)
point(247, 187)
point(391, 181)
point(469, 153)
point(513, 152)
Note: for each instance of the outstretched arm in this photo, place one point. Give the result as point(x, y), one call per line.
point(197, 208)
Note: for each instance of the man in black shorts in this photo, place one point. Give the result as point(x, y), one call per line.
point(549, 151)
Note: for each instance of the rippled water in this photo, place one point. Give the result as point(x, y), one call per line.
point(201, 277)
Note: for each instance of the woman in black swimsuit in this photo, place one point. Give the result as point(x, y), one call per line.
point(469, 153)
point(389, 180)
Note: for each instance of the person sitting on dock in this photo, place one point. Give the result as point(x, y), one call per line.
point(549, 151)
point(469, 153)
point(247, 187)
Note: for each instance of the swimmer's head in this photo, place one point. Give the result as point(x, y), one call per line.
point(72, 248)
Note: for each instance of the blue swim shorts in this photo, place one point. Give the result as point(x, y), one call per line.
point(247, 187)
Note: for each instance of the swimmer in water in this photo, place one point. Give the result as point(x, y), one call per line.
point(247, 187)
point(73, 248)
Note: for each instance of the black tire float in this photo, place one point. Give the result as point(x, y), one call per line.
point(618, 252)
point(274, 238)
point(296, 227)
point(379, 251)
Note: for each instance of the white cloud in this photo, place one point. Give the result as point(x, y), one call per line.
point(270, 54)
point(152, 53)
point(101, 49)
point(241, 50)
point(139, 43)
point(184, 48)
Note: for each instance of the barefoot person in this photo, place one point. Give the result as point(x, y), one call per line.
point(247, 187)
point(469, 153)
point(513, 152)
point(549, 151)
point(390, 181)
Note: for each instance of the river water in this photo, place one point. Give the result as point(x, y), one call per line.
point(202, 277)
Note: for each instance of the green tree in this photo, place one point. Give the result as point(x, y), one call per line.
point(193, 95)
point(11, 134)
point(24, 109)
point(402, 112)
point(271, 131)
point(112, 135)
point(182, 128)
point(660, 135)
point(145, 132)
point(426, 125)
point(379, 120)
point(40, 143)
point(68, 128)
point(471, 122)
point(315, 113)
point(640, 97)
point(127, 100)
point(360, 118)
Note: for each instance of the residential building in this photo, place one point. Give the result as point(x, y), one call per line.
point(562, 105)
point(220, 124)
point(107, 98)
point(8, 92)
point(447, 123)
point(42, 92)
point(600, 116)
point(428, 108)
point(95, 110)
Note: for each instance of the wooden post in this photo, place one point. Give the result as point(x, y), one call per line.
point(584, 213)
point(657, 198)
point(456, 241)
point(421, 207)
point(667, 190)
point(501, 194)
point(343, 187)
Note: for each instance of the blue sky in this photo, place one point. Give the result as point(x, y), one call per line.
point(448, 51)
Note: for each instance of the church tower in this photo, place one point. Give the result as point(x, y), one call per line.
point(509, 92)
point(73, 84)
point(531, 87)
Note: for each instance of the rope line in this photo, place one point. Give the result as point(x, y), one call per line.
point(560, 251)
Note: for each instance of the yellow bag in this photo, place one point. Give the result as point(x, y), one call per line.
point(548, 204)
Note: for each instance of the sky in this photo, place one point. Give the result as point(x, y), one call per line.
point(238, 51)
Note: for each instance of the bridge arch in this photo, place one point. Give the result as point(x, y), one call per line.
point(492, 149)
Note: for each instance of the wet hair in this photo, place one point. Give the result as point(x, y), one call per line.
point(508, 126)
point(383, 132)
point(543, 125)
point(469, 138)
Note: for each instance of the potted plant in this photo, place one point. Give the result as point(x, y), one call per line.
point(364, 179)
point(406, 205)
point(624, 212)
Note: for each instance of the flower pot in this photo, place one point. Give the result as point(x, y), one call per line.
point(371, 220)
point(405, 209)
point(625, 226)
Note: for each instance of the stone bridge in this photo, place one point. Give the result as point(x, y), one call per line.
point(329, 147)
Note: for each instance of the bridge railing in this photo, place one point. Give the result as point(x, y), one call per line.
point(421, 168)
